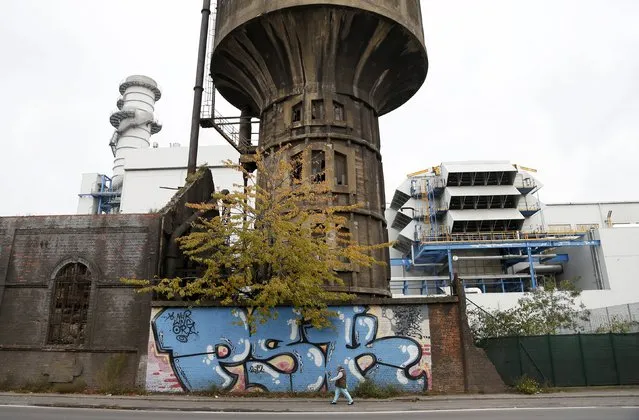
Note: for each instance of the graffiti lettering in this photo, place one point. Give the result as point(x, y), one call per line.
point(183, 325)
point(257, 369)
point(286, 356)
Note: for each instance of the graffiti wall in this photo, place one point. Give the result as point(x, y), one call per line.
point(195, 349)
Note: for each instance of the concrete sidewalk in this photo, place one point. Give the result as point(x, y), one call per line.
point(573, 398)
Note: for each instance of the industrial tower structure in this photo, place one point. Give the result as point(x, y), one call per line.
point(134, 123)
point(318, 75)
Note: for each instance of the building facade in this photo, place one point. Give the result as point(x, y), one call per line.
point(484, 222)
point(63, 310)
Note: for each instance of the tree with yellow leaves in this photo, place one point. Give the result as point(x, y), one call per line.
point(276, 242)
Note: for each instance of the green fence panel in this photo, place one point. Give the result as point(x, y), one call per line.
point(536, 361)
point(627, 357)
point(567, 361)
point(600, 365)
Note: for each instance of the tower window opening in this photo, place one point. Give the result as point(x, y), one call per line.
point(296, 168)
point(318, 232)
point(343, 241)
point(318, 166)
point(70, 306)
point(341, 169)
point(338, 111)
point(317, 109)
point(297, 112)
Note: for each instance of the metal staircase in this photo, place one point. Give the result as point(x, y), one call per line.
point(227, 127)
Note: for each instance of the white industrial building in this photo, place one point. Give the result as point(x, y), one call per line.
point(484, 222)
point(146, 176)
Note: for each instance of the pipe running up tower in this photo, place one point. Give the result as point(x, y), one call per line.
point(134, 121)
point(320, 73)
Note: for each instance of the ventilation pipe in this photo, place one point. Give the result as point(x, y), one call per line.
point(134, 122)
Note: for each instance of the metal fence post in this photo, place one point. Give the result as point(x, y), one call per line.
point(583, 359)
point(521, 366)
point(552, 364)
point(614, 358)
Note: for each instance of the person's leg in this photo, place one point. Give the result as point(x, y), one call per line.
point(347, 395)
point(336, 395)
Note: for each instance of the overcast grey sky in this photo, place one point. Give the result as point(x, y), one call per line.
point(548, 84)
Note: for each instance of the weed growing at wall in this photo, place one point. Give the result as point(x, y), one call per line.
point(36, 386)
point(527, 385)
point(617, 325)
point(7, 383)
point(76, 387)
point(370, 389)
point(109, 378)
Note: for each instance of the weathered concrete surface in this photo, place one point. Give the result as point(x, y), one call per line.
point(319, 74)
point(405, 12)
point(370, 49)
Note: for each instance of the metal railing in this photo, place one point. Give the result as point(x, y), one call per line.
point(420, 186)
point(426, 237)
point(440, 286)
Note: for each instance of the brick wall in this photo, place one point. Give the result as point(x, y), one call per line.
point(32, 250)
point(458, 365)
point(448, 364)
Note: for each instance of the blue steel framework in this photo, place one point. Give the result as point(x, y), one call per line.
point(433, 286)
point(107, 198)
point(432, 192)
point(432, 211)
point(531, 249)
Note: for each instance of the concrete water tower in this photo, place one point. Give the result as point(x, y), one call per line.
point(320, 73)
point(134, 121)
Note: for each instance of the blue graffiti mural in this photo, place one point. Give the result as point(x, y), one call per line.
point(213, 347)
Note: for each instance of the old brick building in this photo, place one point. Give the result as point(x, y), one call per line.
point(63, 308)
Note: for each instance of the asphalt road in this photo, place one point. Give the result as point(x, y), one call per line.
point(564, 413)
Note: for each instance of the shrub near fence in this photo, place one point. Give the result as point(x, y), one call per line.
point(567, 360)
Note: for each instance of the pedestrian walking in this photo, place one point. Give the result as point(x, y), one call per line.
point(340, 386)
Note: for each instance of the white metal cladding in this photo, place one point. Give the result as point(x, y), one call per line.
point(483, 190)
point(477, 166)
point(489, 214)
point(409, 230)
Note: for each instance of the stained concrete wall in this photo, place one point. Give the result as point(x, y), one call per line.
point(32, 249)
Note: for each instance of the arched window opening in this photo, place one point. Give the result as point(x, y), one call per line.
point(70, 306)
point(296, 168)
